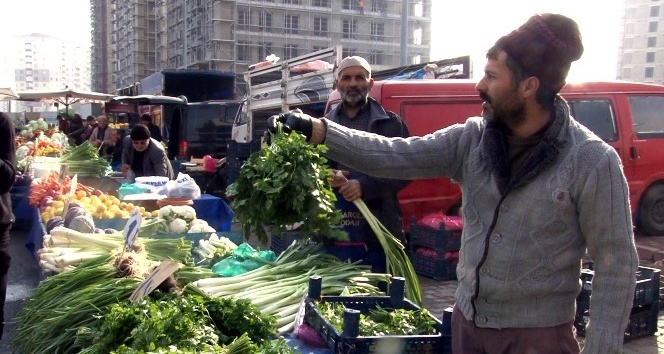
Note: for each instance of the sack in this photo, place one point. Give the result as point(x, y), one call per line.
point(243, 259)
point(183, 187)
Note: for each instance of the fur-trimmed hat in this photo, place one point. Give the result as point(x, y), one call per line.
point(545, 47)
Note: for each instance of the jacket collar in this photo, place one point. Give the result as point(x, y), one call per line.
point(495, 149)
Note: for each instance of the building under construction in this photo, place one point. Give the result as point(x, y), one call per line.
point(225, 35)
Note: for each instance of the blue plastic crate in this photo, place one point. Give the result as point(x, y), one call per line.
point(437, 268)
point(645, 293)
point(440, 240)
point(642, 320)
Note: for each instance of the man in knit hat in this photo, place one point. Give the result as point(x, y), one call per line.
point(144, 156)
point(540, 191)
point(359, 111)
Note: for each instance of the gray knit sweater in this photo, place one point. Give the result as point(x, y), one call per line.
point(524, 235)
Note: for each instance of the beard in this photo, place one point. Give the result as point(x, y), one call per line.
point(508, 109)
point(354, 97)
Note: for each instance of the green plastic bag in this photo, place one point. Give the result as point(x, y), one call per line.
point(130, 188)
point(243, 259)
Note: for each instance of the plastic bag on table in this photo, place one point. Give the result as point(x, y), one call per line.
point(183, 187)
point(243, 259)
point(131, 188)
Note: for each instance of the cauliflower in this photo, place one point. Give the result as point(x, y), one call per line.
point(178, 226)
point(185, 212)
point(166, 212)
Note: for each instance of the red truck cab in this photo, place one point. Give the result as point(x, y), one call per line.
point(627, 115)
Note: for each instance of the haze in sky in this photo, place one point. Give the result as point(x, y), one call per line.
point(460, 27)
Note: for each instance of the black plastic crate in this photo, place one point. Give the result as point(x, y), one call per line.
point(354, 344)
point(279, 242)
point(645, 293)
point(236, 150)
point(642, 320)
point(440, 240)
point(437, 268)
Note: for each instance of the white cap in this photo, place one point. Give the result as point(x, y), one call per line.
point(348, 62)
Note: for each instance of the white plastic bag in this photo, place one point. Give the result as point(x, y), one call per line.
point(183, 187)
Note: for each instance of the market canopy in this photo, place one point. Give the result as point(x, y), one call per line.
point(6, 93)
point(64, 97)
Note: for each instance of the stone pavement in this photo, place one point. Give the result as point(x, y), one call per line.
point(440, 294)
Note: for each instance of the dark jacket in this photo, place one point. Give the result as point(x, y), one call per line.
point(380, 194)
point(7, 167)
point(155, 132)
point(155, 161)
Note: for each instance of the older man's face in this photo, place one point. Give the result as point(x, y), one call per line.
point(140, 145)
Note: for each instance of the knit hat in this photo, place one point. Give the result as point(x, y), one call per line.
point(545, 47)
point(140, 132)
point(348, 62)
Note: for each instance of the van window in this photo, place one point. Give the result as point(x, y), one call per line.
point(205, 122)
point(597, 115)
point(647, 116)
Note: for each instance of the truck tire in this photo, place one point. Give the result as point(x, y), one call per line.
point(651, 212)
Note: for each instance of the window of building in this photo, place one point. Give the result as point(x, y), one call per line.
point(654, 11)
point(376, 57)
point(291, 23)
point(293, 2)
point(320, 26)
point(348, 28)
point(347, 52)
point(290, 51)
point(318, 47)
point(265, 21)
point(377, 31)
point(350, 5)
point(379, 6)
point(652, 42)
point(320, 3)
point(264, 50)
point(418, 8)
point(652, 26)
point(243, 19)
point(243, 51)
point(650, 57)
point(650, 72)
point(417, 36)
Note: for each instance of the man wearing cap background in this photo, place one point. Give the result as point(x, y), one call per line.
point(359, 111)
point(144, 156)
point(539, 192)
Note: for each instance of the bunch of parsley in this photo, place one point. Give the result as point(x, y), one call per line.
point(286, 183)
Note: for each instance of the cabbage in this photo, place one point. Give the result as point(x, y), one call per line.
point(73, 212)
point(53, 222)
point(82, 223)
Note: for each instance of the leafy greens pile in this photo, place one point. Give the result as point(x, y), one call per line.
point(286, 183)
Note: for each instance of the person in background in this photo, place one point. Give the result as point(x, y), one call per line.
point(146, 120)
point(63, 124)
point(539, 192)
point(76, 130)
point(359, 111)
point(90, 125)
point(112, 149)
point(101, 133)
point(144, 156)
point(7, 176)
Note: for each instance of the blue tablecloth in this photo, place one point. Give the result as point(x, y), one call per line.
point(215, 211)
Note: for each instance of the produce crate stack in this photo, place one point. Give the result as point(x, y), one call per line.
point(434, 252)
point(236, 155)
point(645, 308)
point(279, 242)
point(349, 340)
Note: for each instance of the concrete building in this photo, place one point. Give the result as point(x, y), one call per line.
point(101, 58)
point(641, 55)
point(42, 62)
point(230, 35)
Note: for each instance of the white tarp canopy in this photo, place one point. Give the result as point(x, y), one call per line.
point(6, 93)
point(64, 97)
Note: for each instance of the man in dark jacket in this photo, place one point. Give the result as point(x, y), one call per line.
point(155, 132)
point(144, 156)
point(7, 175)
point(357, 110)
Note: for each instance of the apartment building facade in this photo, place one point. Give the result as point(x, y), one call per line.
point(231, 35)
point(641, 54)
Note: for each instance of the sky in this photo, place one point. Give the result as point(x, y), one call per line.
point(459, 27)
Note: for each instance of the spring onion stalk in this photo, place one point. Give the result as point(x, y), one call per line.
point(278, 288)
point(398, 263)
